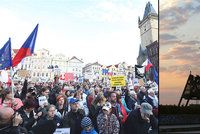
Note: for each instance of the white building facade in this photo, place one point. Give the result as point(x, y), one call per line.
point(92, 71)
point(42, 66)
point(75, 66)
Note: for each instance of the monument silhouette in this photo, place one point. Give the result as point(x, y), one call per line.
point(191, 90)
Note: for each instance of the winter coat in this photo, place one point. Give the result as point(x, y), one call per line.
point(27, 121)
point(90, 132)
point(72, 120)
point(136, 125)
point(109, 125)
point(131, 103)
point(12, 130)
point(125, 105)
point(94, 112)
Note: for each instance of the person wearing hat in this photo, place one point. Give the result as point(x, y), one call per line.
point(73, 118)
point(87, 126)
point(107, 122)
point(140, 120)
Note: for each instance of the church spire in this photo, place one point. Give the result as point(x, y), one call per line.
point(149, 10)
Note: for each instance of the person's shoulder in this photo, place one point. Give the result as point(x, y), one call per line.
point(93, 132)
point(135, 112)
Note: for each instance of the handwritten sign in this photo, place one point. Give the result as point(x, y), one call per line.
point(117, 81)
point(62, 131)
point(42, 100)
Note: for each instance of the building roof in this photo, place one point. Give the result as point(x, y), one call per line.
point(90, 64)
point(149, 10)
point(74, 57)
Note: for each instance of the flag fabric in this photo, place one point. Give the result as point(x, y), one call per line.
point(148, 64)
point(5, 56)
point(27, 48)
point(139, 71)
point(104, 71)
point(155, 75)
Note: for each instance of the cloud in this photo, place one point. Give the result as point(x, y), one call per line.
point(162, 69)
point(167, 37)
point(177, 14)
point(192, 42)
point(183, 51)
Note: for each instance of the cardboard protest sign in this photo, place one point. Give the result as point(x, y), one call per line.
point(23, 73)
point(117, 81)
point(42, 100)
point(62, 131)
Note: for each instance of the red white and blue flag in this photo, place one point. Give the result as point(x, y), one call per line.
point(27, 48)
point(148, 65)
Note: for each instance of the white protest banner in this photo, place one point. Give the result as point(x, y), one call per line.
point(42, 100)
point(62, 131)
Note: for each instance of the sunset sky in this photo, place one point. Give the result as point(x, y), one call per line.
point(179, 46)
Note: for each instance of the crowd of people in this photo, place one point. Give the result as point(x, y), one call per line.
point(85, 108)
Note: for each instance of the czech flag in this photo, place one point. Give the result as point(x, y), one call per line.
point(148, 64)
point(27, 48)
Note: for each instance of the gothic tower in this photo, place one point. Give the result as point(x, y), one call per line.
point(148, 31)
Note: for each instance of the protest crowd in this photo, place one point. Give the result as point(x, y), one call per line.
point(82, 107)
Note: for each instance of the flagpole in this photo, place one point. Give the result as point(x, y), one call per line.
point(11, 79)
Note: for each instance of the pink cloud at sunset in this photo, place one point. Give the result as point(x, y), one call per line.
point(179, 47)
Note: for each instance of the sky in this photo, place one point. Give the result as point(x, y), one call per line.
point(179, 47)
point(93, 30)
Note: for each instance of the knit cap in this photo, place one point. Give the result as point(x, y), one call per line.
point(85, 122)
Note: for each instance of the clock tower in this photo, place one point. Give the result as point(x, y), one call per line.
point(148, 26)
point(148, 31)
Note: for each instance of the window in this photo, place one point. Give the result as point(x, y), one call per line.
point(38, 74)
point(34, 74)
point(46, 74)
point(42, 74)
